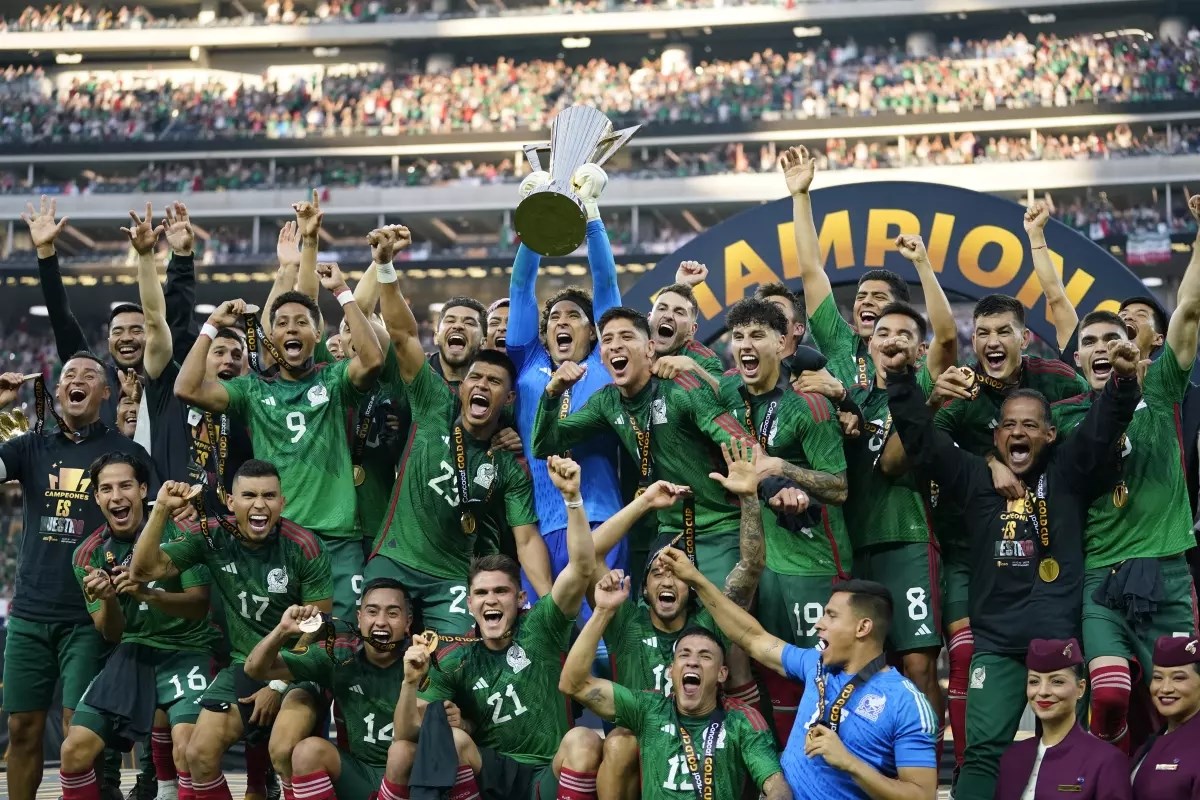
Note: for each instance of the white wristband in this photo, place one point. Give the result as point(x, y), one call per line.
point(345, 298)
point(385, 273)
point(575, 504)
point(209, 330)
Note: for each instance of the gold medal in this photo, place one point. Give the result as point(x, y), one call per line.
point(1120, 495)
point(1049, 569)
point(972, 381)
point(467, 522)
point(360, 474)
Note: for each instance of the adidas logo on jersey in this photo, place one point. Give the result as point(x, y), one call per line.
point(651, 642)
point(924, 631)
point(231, 568)
point(268, 401)
point(480, 685)
point(357, 689)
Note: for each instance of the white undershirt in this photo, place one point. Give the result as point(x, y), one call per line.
point(1031, 787)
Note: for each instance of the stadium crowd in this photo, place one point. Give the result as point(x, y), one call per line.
point(824, 81)
point(438, 544)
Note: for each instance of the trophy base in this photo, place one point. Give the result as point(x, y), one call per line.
point(550, 224)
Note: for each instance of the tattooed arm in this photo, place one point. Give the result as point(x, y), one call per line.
point(743, 578)
point(829, 488)
point(576, 680)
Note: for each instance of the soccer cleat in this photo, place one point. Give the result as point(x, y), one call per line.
point(167, 790)
point(143, 789)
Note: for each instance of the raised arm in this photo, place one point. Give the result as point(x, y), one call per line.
point(69, 337)
point(523, 316)
point(192, 384)
point(658, 495)
point(397, 315)
point(179, 292)
point(1091, 449)
point(798, 170)
point(743, 629)
point(150, 562)
point(577, 681)
point(742, 480)
point(368, 355)
point(572, 582)
point(1181, 332)
point(264, 662)
point(287, 248)
point(308, 224)
point(108, 617)
point(606, 293)
point(406, 719)
point(943, 350)
point(1062, 312)
point(553, 435)
point(143, 237)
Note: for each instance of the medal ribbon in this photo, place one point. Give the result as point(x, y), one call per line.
point(362, 429)
point(464, 484)
point(993, 383)
point(884, 431)
point(255, 334)
point(1041, 516)
point(645, 463)
point(863, 377)
point(834, 718)
point(564, 409)
point(205, 448)
point(764, 430)
point(42, 401)
point(702, 779)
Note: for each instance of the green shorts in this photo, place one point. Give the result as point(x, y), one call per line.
point(440, 602)
point(357, 779)
point(912, 572)
point(502, 778)
point(717, 554)
point(346, 562)
point(38, 654)
point(1106, 632)
point(790, 606)
point(956, 574)
point(181, 679)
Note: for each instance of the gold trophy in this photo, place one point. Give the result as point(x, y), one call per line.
point(551, 219)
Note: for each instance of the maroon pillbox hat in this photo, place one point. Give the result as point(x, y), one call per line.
point(1051, 655)
point(1176, 651)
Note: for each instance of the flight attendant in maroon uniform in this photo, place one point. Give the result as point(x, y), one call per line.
point(1168, 766)
point(1067, 761)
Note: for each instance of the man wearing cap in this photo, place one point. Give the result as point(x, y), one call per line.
point(1065, 758)
point(1168, 767)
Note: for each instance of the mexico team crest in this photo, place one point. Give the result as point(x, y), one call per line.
point(277, 580)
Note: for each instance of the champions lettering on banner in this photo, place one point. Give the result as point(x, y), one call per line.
point(976, 243)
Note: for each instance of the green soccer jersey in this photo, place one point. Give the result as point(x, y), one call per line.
point(144, 623)
point(804, 430)
point(887, 510)
point(257, 584)
point(708, 360)
point(512, 697)
point(423, 529)
point(378, 458)
point(745, 747)
point(846, 351)
point(641, 654)
point(366, 694)
point(686, 423)
point(1156, 520)
point(300, 427)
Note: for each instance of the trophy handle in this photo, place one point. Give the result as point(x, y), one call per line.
point(531, 153)
point(612, 143)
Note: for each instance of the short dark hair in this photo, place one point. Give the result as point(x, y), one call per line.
point(503, 302)
point(384, 582)
point(897, 284)
point(461, 301)
point(1029, 394)
point(314, 310)
point(1160, 316)
point(684, 291)
point(1096, 317)
point(496, 562)
point(776, 289)
point(256, 468)
point(755, 311)
point(624, 312)
point(870, 599)
point(994, 304)
point(577, 295)
point(124, 308)
point(84, 354)
point(499, 359)
point(905, 310)
point(704, 633)
point(141, 471)
point(230, 333)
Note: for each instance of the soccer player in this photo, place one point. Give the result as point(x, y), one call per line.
point(164, 659)
point(693, 740)
point(671, 429)
point(1027, 565)
point(673, 322)
point(506, 681)
point(451, 478)
point(793, 311)
point(565, 332)
point(297, 418)
point(459, 337)
point(879, 741)
point(1145, 523)
point(801, 441)
point(126, 322)
point(362, 673)
point(261, 564)
point(1058, 305)
point(497, 325)
point(184, 441)
point(50, 634)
